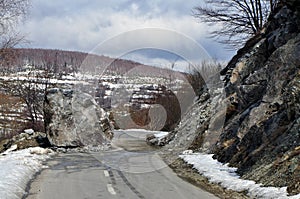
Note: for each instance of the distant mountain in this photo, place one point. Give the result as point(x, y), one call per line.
point(60, 61)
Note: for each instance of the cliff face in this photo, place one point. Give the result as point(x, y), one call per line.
point(260, 132)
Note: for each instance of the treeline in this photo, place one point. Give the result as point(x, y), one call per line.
point(60, 61)
point(52, 60)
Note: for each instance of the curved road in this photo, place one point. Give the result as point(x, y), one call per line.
point(131, 170)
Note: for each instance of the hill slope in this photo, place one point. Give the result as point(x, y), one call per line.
point(260, 131)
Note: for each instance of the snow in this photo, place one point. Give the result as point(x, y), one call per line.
point(68, 77)
point(29, 131)
point(40, 81)
point(12, 148)
point(157, 134)
point(17, 168)
point(145, 106)
point(161, 134)
point(108, 92)
point(227, 177)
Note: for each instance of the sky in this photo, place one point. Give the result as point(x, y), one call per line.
point(86, 25)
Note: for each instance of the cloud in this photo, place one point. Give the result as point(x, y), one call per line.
point(160, 58)
point(82, 24)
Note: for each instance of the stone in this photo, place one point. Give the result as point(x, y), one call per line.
point(25, 140)
point(73, 119)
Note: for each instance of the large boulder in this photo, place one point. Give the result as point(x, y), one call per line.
point(74, 119)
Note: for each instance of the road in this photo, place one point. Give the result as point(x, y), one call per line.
point(131, 170)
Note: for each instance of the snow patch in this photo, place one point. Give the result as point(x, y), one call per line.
point(187, 152)
point(12, 148)
point(157, 134)
point(17, 168)
point(140, 130)
point(161, 134)
point(39, 151)
point(29, 131)
point(227, 177)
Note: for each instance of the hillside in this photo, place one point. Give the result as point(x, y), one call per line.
point(60, 61)
point(131, 93)
point(255, 125)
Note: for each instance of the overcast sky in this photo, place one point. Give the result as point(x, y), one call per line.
point(82, 25)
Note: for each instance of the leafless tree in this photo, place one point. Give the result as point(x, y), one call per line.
point(200, 74)
point(234, 20)
point(31, 90)
point(12, 12)
point(11, 112)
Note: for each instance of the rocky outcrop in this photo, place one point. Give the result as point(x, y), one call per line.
point(198, 130)
point(74, 119)
point(260, 134)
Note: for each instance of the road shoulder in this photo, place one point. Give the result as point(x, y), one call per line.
point(187, 173)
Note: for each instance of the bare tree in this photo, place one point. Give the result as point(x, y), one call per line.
point(31, 89)
point(12, 12)
point(11, 112)
point(235, 20)
point(199, 74)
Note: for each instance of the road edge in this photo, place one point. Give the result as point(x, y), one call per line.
point(186, 172)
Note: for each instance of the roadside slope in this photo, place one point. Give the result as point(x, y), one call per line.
point(260, 131)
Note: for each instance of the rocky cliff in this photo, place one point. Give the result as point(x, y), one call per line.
point(73, 119)
point(260, 132)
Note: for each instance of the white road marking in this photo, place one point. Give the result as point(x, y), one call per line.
point(111, 189)
point(106, 174)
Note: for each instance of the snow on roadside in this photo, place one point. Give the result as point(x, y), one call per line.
point(17, 169)
point(157, 134)
point(227, 177)
point(161, 134)
point(141, 130)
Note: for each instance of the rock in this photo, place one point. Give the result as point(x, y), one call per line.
point(24, 140)
point(74, 119)
point(12, 148)
point(150, 139)
point(260, 134)
point(5, 144)
point(197, 131)
point(153, 140)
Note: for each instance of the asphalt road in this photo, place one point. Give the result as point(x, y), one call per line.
point(131, 170)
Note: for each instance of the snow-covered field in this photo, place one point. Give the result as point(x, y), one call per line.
point(227, 177)
point(17, 169)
